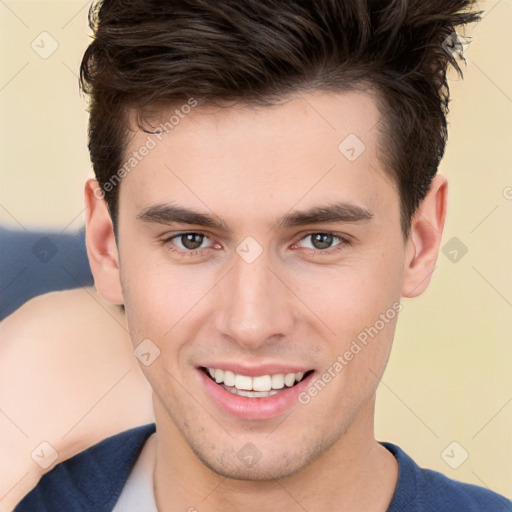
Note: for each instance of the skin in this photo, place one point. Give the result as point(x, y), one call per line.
point(249, 167)
point(63, 353)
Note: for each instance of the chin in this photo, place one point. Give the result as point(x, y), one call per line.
point(251, 463)
point(237, 469)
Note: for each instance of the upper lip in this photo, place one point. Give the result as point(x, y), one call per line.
point(256, 370)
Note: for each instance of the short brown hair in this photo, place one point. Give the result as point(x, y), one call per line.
point(256, 51)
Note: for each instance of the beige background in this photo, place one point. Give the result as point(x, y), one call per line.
point(449, 377)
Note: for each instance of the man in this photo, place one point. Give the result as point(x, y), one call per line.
point(266, 193)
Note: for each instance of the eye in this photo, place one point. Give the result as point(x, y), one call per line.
point(187, 242)
point(323, 241)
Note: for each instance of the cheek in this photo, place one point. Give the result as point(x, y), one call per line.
point(361, 311)
point(146, 289)
point(160, 298)
point(359, 303)
point(353, 296)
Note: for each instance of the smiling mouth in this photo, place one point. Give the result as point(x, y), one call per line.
point(260, 386)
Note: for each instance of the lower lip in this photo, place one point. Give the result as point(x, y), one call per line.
point(248, 408)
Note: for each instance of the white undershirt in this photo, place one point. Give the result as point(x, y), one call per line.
point(137, 494)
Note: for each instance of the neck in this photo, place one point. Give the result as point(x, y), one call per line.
point(356, 474)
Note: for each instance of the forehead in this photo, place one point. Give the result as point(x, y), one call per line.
point(254, 157)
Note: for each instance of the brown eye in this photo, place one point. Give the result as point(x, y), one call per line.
point(191, 241)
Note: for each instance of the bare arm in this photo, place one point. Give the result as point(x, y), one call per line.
point(68, 378)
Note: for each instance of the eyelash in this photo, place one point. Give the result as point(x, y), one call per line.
point(343, 242)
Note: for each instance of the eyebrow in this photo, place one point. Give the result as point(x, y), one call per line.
point(335, 212)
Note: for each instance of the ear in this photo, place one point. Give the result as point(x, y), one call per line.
point(101, 245)
point(424, 239)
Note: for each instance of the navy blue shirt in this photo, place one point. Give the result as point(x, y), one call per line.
point(92, 482)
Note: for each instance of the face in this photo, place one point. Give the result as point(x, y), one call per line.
point(252, 243)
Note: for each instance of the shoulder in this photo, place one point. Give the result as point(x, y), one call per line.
point(61, 312)
point(69, 360)
point(75, 326)
point(424, 490)
point(62, 334)
point(61, 352)
point(91, 480)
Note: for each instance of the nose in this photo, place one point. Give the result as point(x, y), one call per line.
point(256, 307)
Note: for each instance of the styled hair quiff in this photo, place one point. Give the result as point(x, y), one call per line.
point(153, 52)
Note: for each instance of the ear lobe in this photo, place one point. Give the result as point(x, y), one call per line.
point(424, 239)
point(101, 245)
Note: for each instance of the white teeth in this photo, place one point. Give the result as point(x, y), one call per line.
point(263, 383)
point(243, 382)
point(250, 394)
point(260, 384)
point(219, 376)
point(278, 381)
point(229, 378)
point(289, 379)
